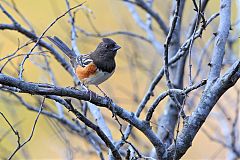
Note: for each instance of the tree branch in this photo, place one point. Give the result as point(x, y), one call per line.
point(46, 89)
point(209, 98)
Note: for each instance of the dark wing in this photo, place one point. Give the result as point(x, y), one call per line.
point(61, 45)
point(83, 60)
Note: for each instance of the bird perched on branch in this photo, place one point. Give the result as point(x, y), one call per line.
point(93, 68)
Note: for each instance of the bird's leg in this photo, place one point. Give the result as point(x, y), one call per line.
point(109, 100)
point(105, 95)
point(76, 85)
point(84, 87)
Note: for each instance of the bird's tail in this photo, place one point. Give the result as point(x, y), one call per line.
point(61, 45)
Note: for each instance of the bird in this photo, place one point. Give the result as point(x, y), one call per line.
point(93, 68)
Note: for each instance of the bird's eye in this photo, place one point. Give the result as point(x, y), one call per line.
point(109, 45)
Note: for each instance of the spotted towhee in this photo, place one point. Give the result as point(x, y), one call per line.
point(93, 68)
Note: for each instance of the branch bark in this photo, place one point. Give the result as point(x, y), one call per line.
point(46, 89)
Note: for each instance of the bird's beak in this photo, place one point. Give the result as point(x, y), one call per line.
point(117, 47)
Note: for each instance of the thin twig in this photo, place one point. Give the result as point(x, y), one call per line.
point(142, 4)
point(169, 92)
point(31, 135)
point(180, 53)
point(13, 57)
point(178, 126)
point(165, 56)
point(40, 37)
point(14, 7)
point(73, 29)
point(18, 48)
point(127, 33)
point(124, 139)
point(198, 9)
point(12, 128)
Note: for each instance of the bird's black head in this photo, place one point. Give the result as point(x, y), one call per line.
point(107, 48)
point(103, 56)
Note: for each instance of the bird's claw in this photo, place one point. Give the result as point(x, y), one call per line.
point(71, 87)
point(109, 100)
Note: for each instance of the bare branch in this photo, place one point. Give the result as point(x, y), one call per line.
point(73, 29)
point(149, 10)
point(32, 36)
point(46, 89)
point(207, 102)
point(12, 128)
point(127, 33)
point(169, 92)
point(220, 41)
point(31, 135)
point(181, 52)
point(40, 37)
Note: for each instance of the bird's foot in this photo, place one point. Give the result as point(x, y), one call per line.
point(71, 87)
point(83, 87)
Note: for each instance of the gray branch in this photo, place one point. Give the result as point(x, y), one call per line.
point(209, 98)
point(46, 89)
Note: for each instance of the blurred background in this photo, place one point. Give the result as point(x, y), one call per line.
point(138, 62)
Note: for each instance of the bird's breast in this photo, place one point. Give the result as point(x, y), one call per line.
point(92, 75)
point(85, 72)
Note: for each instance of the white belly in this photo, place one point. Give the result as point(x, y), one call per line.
point(98, 78)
